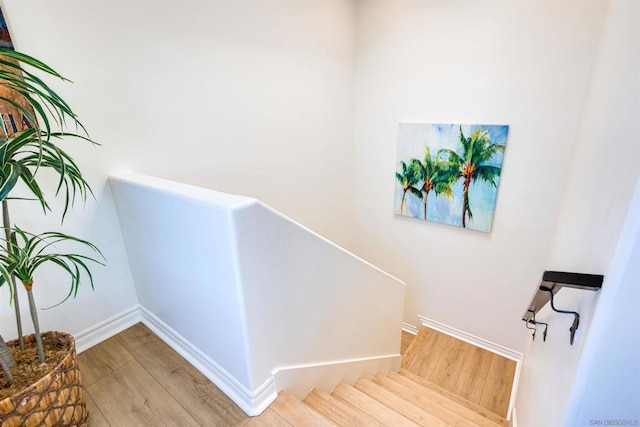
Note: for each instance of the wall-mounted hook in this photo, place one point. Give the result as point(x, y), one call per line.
point(546, 326)
point(533, 336)
point(535, 323)
point(576, 318)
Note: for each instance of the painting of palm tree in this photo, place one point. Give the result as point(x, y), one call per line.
point(15, 112)
point(407, 178)
point(465, 170)
point(474, 163)
point(435, 175)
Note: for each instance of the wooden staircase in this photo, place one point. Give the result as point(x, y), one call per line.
point(394, 399)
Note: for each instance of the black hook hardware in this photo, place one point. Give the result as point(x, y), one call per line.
point(546, 326)
point(576, 319)
point(535, 323)
point(533, 336)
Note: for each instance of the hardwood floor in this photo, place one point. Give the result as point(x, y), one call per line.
point(135, 379)
point(475, 374)
point(407, 338)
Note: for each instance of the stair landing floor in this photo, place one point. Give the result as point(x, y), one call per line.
point(464, 370)
point(135, 379)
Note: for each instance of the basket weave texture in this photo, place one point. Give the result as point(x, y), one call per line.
point(57, 399)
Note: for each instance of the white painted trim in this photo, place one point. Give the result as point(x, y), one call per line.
point(252, 402)
point(514, 392)
point(299, 380)
point(471, 339)
point(107, 328)
point(485, 344)
point(409, 328)
point(514, 418)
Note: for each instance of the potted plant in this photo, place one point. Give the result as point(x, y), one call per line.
point(30, 137)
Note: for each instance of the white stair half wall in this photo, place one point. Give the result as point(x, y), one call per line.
point(256, 301)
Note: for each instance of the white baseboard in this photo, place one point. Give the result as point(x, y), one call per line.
point(325, 375)
point(482, 343)
point(252, 402)
point(107, 328)
point(514, 418)
point(409, 328)
point(471, 339)
point(300, 379)
point(511, 413)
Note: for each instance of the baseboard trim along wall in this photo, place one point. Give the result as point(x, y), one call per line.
point(252, 402)
point(482, 343)
point(107, 328)
point(300, 379)
point(409, 328)
point(471, 339)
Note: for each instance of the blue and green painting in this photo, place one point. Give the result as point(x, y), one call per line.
point(449, 173)
point(5, 37)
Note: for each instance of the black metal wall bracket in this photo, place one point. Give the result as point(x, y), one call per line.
point(551, 283)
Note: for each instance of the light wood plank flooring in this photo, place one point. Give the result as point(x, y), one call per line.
point(475, 374)
point(407, 339)
point(135, 379)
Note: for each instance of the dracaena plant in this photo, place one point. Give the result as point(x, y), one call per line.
point(25, 253)
point(46, 118)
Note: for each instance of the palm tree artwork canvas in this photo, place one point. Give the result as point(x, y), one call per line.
point(15, 110)
point(449, 173)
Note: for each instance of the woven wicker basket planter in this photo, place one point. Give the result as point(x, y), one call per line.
point(57, 399)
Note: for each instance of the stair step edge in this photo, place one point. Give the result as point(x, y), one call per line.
point(497, 419)
point(297, 413)
point(398, 404)
point(448, 415)
point(337, 411)
point(372, 407)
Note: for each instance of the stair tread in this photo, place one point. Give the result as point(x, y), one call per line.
point(414, 348)
point(454, 397)
point(398, 404)
point(370, 406)
point(441, 400)
point(297, 413)
point(336, 410)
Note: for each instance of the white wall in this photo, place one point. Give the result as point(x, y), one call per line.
point(525, 64)
point(183, 264)
point(250, 97)
point(607, 384)
point(605, 160)
point(243, 292)
point(604, 167)
point(307, 301)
